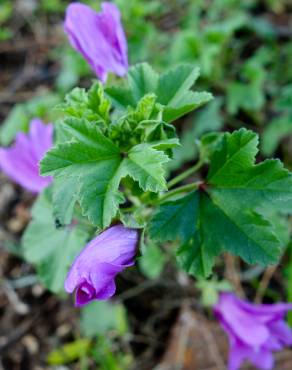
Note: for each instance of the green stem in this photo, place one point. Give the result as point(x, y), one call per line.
point(185, 174)
point(179, 190)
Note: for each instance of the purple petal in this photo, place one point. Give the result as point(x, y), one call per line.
point(20, 162)
point(282, 332)
point(99, 37)
point(266, 312)
point(262, 359)
point(239, 353)
point(107, 292)
point(254, 331)
point(239, 323)
point(84, 294)
point(101, 260)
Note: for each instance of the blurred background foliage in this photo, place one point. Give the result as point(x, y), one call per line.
point(244, 51)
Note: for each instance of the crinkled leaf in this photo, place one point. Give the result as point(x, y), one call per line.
point(93, 162)
point(145, 165)
point(91, 105)
point(172, 89)
point(174, 92)
point(142, 80)
point(121, 97)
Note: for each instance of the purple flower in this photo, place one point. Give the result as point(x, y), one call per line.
point(20, 162)
point(254, 331)
point(93, 271)
point(99, 37)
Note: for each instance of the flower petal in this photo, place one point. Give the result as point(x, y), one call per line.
point(20, 162)
point(282, 332)
point(242, 325)
point(102, 259)
point(99, 37)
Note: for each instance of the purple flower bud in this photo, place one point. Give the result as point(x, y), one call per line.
point(99, 37)
point(20, 162)
point(93, 272)
point(254, 331)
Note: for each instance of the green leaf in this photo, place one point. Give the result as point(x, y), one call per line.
point(91, 105)
point(172, 90)
point(228, 211)
point(152, 262)
point(94, 163)
point(174, 85)
point(91, 167)
point(187, 104)
point(14, 123)
point(248, 95)
point(217, 229)
point(145, 165)
point(99, 318)
point(206, 119)
point(69, 352)
point(175, 219)
point(51, 249)
point(73, 67)
point(174, 93)
point(233, 177)
point(99, 195)
point(277, 130)
point(142, 124)
point(64, 198)
point(121, 97)
point(20, 115)
point(210, 290)
point(142, 80)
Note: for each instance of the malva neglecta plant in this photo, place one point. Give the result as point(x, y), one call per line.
point(104, 194)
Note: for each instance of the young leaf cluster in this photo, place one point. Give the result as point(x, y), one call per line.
point(98, 146)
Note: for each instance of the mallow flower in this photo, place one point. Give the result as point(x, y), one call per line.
point(254, 331)
point(92, 274)
point(99, 37)
point(20, 161)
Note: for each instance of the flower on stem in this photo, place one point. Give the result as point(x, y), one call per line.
point(20, 162)
point(99, 37)
point(93, 272)
point(254, 331)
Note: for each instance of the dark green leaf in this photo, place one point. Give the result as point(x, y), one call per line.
point(228, 212)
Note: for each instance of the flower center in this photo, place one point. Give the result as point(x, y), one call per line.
point(84, 293)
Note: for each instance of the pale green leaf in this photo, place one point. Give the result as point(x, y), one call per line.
point(145, 165)
point(51, 249)
point(99, 318)
point(151, 263)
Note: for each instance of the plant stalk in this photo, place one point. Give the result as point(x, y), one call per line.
point(179, 190)
point(185, 174)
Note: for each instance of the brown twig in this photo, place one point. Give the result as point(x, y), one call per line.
point(232, 273)
point(267, 276)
